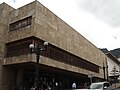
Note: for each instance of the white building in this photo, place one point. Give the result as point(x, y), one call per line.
point(111, 68)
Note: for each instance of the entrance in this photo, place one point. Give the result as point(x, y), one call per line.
point(54, 80)
point(46, 80)
point(49, 77)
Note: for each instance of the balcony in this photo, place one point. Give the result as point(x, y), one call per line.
point(19, 52)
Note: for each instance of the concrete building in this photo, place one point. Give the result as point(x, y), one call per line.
point(70, 57)
point(112, 68)
point(113, 62)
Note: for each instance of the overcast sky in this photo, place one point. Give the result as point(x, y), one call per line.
point(96, 20)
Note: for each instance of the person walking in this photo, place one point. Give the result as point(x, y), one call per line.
point(32, 88)
point(74, 85)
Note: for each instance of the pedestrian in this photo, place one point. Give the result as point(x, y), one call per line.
point(74, 85)
point(56, 86)
point(32, 88)
point(85, 85)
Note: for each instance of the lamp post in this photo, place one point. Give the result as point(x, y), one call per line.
point(37, 50)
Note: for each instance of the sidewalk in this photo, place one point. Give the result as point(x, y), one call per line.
point(115, 86)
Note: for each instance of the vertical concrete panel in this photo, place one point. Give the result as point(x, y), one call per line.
point(6, 75)
point(7, 78)
point(19, 78)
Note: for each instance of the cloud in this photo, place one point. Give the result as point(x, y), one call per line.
point(96, 20)
point(16, 3)
point(90, 18)
point(106, 10)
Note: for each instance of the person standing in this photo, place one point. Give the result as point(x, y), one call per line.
point(74, 85)
point(32, 88)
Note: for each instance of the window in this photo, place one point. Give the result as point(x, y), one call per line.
point(21, 47)
point(20, 24)
point(66, 57)
point(16, 49)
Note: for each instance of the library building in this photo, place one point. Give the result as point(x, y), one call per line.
point(38, 49)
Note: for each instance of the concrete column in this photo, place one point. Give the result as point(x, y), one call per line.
point(19, 78)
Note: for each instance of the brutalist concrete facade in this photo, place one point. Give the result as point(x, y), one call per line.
point(48, 27)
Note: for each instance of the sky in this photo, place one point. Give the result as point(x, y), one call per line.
point(97, 20)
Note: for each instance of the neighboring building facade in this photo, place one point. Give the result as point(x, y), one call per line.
point(70, 57)
point(111, 67)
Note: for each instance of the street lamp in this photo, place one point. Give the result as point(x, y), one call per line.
point(37, 50)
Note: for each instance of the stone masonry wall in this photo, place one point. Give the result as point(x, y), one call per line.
point(19, 14)
point(48, 27)
point(6, 76)
point(51, 28)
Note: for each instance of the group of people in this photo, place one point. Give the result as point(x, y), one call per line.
point(32, 88)
point(47, 87)
point(74, 86)
point(81, 86)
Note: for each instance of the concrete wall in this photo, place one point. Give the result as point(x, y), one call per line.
point(49, 27)
point(18, 14)
point(6, 75)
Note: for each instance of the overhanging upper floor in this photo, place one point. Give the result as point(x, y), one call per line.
point(19, 52)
